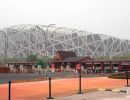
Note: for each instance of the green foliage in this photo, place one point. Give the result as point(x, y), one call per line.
point(31, 58)
point(40, 62)
point(48, 59)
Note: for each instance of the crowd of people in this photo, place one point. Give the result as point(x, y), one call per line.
point(53, 68)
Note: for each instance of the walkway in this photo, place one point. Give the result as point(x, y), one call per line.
point(60, 88)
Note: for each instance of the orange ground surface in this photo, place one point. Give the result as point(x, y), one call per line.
point(61, 87)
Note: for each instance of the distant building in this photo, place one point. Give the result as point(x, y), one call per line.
point(62, 55)
point(69, 57)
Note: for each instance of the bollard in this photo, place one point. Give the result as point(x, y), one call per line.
point(80, 91)
point(9, 92)
point(127, 78)
point(50, 97)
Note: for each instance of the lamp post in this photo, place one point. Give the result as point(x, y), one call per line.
point(47, 74)
point(54, 32)
point(43, 32)
point(79, 51)
point(46, 38)
point(5, 46)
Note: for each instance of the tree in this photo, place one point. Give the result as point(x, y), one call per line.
point(31, 58)
point(40, 62)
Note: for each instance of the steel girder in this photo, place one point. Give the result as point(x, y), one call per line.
point(22, 40)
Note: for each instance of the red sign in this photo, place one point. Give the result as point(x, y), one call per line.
point(120, 67)
point(52, 65)
point(78, 66)
point(110, 67)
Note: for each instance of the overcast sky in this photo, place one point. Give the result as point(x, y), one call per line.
point(110, 17)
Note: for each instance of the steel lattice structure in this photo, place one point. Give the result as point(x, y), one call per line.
point(22, 40)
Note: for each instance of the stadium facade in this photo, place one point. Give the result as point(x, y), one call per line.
point(22, 40)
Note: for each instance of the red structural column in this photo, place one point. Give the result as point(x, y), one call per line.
point(78, 66)
point(111, 66)
point(93, 67)
point(102, 67)
point(120, 66)
point(93, 64)
point(53, 65)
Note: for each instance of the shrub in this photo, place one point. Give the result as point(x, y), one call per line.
point(40, 62)
point(119, 75)
point(31, 58)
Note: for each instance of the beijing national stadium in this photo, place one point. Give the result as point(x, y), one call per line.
point(43, 40)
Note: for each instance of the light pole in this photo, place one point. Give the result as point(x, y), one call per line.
point(46, 38)
point(77, 47)
point(5, 46)
point(79, 54)
point(54, 32)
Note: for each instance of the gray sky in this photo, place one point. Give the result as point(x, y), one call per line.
point(110, 17)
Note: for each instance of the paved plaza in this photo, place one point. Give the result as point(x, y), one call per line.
point(99, 95)
point(60, 88)
point(122, 93)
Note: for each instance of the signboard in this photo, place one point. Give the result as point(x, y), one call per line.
point(52, 65)
point(78, 66)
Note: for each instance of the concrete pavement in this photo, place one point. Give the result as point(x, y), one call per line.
point(99, 95)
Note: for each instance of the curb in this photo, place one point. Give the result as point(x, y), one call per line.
point(114, 90)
